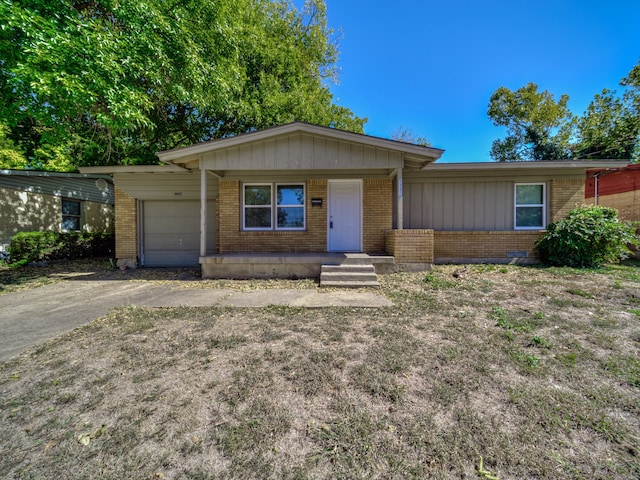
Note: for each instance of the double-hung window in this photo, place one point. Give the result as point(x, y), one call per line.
point(273, 206)
point(530, 206)
point(71, 215)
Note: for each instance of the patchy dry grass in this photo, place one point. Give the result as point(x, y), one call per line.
point(536, 370)
point(23, 278)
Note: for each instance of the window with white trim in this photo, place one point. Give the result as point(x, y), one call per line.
point(273, 206)
point(71, 215)
point(530, 210)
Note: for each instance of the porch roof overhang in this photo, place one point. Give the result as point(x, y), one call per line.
point(217, 156)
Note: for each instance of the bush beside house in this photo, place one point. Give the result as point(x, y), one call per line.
point(588, 237)
point(29, 247)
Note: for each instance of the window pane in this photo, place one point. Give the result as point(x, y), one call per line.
point(529, 194)
point(70, 207)
point(257, 195)
point(71, 223)
point(257, 217)
point(529, 217)
point(290, 195)
point(290, 217)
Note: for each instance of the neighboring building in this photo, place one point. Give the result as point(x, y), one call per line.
point(616, 187)
point(263, 203)
point(36, 201)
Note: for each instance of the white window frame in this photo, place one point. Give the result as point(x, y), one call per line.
point(303, 206)
point(273, 206)
point(245, 206)
point(542, 205)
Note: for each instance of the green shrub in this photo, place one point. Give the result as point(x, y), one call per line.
point(48, 245)
point(589, 237)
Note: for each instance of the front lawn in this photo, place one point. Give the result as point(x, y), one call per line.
point(535, 370)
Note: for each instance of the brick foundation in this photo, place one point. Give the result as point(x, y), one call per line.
point(489, 245)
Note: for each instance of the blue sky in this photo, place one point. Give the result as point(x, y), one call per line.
point(431, 66)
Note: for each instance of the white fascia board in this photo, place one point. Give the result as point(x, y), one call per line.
point(542, 165)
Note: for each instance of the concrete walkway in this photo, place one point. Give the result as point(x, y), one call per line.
point(34, 316)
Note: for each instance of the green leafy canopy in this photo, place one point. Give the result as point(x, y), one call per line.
point(111, 82)
point(539, 127)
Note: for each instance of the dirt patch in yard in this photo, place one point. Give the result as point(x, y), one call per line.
point(536, 370)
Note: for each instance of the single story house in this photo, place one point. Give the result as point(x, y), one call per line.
point(283, 200)
point(36, 201)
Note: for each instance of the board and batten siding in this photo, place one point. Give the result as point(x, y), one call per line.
point(462, 205)
point(301, 152)
point(164, 186)
point(459, 206)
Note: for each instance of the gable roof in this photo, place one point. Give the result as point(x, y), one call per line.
point(414, 156)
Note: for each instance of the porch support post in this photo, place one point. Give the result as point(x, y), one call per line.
point(399, 202)
point(203, 210)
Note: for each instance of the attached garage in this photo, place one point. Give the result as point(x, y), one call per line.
point(170, 232)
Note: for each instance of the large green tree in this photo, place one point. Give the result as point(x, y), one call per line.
point(87, 82)
point(538, 126)
point(541, 128)
point(610, 128)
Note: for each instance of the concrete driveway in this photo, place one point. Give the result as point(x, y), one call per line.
point(33, 316)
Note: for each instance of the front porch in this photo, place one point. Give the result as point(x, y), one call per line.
point(285, 265)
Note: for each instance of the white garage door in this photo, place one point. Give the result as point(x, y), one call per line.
point(171, 232)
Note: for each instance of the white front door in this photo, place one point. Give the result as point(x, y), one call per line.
point(345, 216)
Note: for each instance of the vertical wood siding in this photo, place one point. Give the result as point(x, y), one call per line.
point(467, 205)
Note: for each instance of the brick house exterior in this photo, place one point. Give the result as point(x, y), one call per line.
point(302, 189)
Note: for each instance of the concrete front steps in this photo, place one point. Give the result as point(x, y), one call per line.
point(355, 271)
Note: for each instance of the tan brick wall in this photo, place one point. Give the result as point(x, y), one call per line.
point(627, 204)
point(377, 219)
point(483, 244)
point(126, 226)
point(232, 240)
point(410, 246)
point(565, 195)
point(377, 214)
